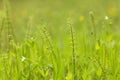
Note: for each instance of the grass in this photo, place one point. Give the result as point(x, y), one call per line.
point(73, 47)
point(59, 48)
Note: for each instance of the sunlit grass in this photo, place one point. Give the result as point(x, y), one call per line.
point(81, 47)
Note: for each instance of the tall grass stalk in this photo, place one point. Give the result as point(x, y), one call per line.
point(27, 41)
point(47, 38)
point(54, 57)
point(70, 25)
point(8, 23)
point(9, 48)
point(93, 23)
point(1, 30)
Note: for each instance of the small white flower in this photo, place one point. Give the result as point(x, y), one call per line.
point(106, 17)
point(23, 58)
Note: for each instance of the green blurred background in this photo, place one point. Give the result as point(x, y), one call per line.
point(54, 13)
point(54, 10)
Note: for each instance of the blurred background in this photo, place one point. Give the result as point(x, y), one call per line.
point(54, 13)
point(48, 10)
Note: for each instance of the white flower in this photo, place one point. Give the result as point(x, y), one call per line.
point(106, 17)
point(23, 58)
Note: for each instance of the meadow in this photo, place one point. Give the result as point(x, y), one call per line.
point(59, 40)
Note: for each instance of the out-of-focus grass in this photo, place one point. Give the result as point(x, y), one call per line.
point(59, 40)
point(55, 12)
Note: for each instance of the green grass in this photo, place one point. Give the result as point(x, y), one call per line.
point(64, 44)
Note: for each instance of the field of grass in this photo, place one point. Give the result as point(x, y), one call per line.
point(59, 40)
